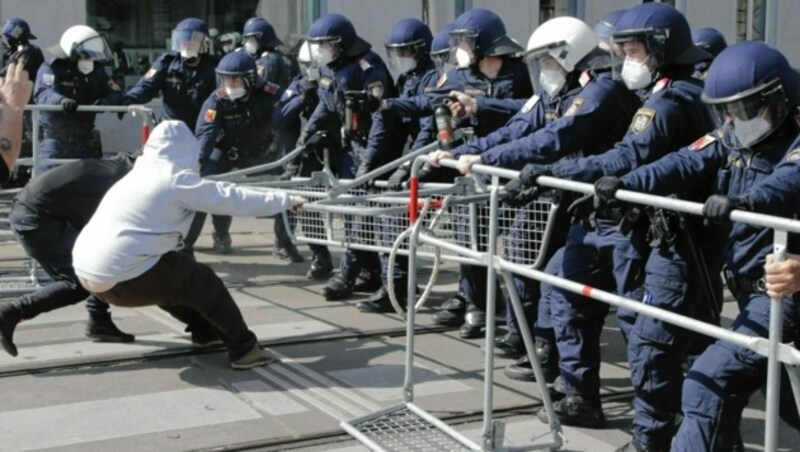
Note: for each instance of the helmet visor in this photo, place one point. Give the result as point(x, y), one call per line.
point(464, 47)
point(640, 46)
point(401, 58)
point(443, 61)
point(190, 41)
point(324, 51)
point(541, 60)
point(748, 120)
point(94, 48)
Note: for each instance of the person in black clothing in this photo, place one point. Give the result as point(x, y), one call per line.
point(47, 216)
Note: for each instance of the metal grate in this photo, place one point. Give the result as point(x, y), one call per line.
point(403, 430)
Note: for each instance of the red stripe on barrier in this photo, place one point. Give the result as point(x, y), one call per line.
point(587, 291)
point(413, 203)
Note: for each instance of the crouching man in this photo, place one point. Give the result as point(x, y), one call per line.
point(126, 253)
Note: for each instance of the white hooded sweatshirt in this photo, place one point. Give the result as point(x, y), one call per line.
point(147, 213)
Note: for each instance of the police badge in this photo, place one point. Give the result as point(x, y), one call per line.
point(642, 120)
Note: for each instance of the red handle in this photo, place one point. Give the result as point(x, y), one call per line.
point(413, 205)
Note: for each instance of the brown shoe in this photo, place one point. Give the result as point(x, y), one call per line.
point(256, 357)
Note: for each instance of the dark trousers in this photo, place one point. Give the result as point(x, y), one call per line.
point(49, 240)
point(191, 292)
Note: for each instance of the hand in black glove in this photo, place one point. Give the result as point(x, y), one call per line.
point(518, 196)
point(309, 92)
point(395, 182)
point(605, 189)
point(581, 208)
point(718, 208)
point(311, 140)
point(68, 104)
point(125, 102)
point(531, 172)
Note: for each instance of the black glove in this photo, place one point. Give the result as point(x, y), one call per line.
point(395, 182)
point(68, 104)
point(581, 208)
point(605, 189)
point(531, 172)
point(310, 96)
point(518, 196)
point(125, 102)
point(718, 208)
point(311, 140)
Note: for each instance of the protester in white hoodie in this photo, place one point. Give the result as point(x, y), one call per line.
point(126, 253)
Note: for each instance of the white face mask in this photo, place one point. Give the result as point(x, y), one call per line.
point(235, 93)
point(464, 58)
point(85, 66)
point(751, 130)
point(187, 54)
point(636, 74)
point(251, 47)
point(403, 64)
point(319, 55)
point(552, 81)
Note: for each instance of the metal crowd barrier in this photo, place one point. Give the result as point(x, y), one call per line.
point(30, 278)
point(379, 430)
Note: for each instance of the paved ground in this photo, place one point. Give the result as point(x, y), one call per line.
point(64, 392)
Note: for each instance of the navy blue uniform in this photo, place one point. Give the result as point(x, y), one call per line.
point(232, 134)
point(719, 385)
point(598, 254)
point(71, 134)
point(183, 88)
point(366, 73)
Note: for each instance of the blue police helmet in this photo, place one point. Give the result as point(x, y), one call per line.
point(238, 64)
point(607, 24)
point(664, 30)
point(339, 32)
point(262, 31)
point(710, 40)
point(17, 30)
point(750, 89)
point(487, 32)
point(192, 24)
point(189, 37)
point(410, 32)
point(441, 42)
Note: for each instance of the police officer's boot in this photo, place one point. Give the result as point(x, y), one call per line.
point(635, 446)
point(321, 266)
point(509, 345)
point(380, 302)
point(222, 243)
point(576, 411)
point(368, 281)
point(337, 288)
point(474, 322)
point(451, 312)
point(10, 316)
point(522, 370)
point(102, 329)
point(288, 251)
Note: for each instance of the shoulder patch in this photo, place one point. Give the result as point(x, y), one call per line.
point(150, 73)
point(271, 88)
point(261, 70)
point(793, 155)
point(48, 79)
point(427, 89)
point(702, 142)
point(442, 80)
point(574, 107)
point(375, 89)
point(585, 77)
point(642, 120)
point(325, 82)
point(364, 64)
point(210, 115)
point(530, 103)
point(661, 84)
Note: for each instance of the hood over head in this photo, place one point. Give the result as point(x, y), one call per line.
point(173, 141)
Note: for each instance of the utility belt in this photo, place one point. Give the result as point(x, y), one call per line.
point(741, 284)
point(665, 226)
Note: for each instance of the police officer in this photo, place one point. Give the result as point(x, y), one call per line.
point(408, 49)
point(276, 71)
point(498, 84)
point(298, 101)
point(234, 130)
point(753, 162)
point(659, 59)
point(184, 76)
point(353, 81)
point(16, 35)
point(47, 217)
point(712, 41)
point(71, 79)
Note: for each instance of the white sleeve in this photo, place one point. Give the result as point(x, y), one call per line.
point(225, 198)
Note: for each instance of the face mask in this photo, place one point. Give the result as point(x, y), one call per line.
point(552, 81)
point(321, 56)
point(251, 47)
point(235, 93)
point(85, 66)
point(463, 58)
point(312, 73)
point(189, 54)
point(751, 130)
point(636, 75)
point(403, 64)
